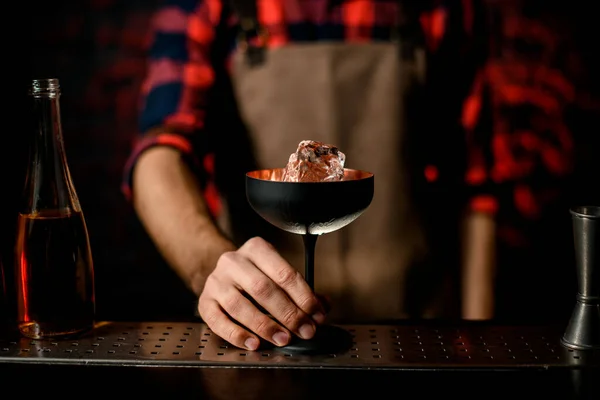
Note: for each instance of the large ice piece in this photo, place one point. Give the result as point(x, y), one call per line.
point(315, 162)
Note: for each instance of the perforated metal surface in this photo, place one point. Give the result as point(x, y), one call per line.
point(381, 346)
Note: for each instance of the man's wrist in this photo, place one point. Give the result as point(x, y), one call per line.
point(212, 244)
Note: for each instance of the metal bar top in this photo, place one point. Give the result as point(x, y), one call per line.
point(395, 347)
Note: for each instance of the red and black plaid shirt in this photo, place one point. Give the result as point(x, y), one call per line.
point(518, 142)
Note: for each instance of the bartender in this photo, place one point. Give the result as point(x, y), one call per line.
point(236, 86)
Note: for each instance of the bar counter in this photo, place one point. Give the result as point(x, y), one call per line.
point(470, 360)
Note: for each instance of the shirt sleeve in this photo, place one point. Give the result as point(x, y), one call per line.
point(475, 119)
point(455, 34)
point(519, 142)
point(178, 76)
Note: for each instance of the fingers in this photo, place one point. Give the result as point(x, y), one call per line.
point(220, 324)
point(231, 315)
point(266, 293)
point(270, 262)
point(250, 283)
point(234, 318)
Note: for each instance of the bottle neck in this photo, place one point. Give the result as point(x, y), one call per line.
point(48, 185)
point(48, 139)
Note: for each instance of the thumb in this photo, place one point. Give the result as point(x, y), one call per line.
point(325, 302)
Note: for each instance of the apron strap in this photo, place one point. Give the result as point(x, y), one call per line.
point(252, 36)
point(409, 32)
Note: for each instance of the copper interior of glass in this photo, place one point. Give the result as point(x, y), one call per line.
point(276, 174)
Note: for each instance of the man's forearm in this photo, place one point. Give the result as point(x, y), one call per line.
point(169, 203)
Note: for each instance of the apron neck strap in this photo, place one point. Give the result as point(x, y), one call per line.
point(251, 36)
point(409, 32)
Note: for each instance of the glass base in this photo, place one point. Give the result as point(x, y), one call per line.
point(328, 339)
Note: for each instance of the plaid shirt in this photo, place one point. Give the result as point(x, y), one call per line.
point(520, 138)
point(509, 142)
point(180, 70)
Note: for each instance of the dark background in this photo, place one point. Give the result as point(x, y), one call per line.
point(97, 49)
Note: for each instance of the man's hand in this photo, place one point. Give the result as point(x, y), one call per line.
point(251, 282)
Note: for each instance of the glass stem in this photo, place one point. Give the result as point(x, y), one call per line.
point(310, 242)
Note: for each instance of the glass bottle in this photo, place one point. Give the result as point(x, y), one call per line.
point(53, 259)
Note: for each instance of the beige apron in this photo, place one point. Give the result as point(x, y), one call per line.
point(349, 95)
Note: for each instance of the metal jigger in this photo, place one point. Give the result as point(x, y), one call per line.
point(583, 330)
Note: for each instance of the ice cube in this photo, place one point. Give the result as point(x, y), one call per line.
point(315, 162)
